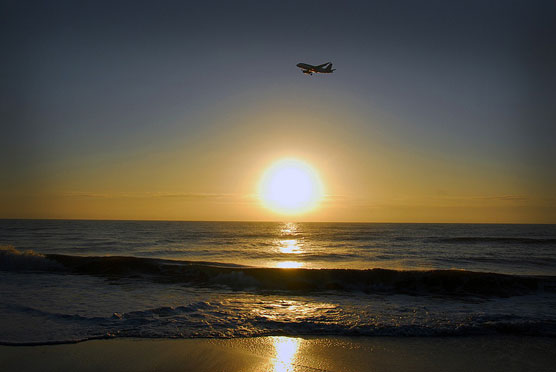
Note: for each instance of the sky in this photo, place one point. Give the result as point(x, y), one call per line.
point(438, 111)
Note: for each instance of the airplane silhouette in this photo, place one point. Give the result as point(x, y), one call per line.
point(319, 69)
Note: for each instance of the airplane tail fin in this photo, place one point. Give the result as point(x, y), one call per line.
point(329, 68)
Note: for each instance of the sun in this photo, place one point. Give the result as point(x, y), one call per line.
point(290, 186)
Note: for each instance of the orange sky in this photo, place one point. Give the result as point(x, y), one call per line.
point(372, 177)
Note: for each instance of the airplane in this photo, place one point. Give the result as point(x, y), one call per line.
point(321, 69)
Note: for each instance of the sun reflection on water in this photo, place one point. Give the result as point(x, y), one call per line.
point(289, 265)
point(286, 349)
point(290, 246)
point(289, 228)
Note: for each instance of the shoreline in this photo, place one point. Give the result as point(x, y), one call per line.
point(281, 353)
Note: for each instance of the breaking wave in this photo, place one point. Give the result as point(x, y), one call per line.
point(13, 260)
point(237, 277)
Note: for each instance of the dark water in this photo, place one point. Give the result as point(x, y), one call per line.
point(73, 280)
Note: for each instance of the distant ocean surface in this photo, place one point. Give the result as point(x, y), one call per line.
point(67, 281)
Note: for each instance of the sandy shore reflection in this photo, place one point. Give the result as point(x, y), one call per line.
point(286, 350)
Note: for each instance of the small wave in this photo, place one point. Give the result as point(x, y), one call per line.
point(490, 239)
point(537, 261)
point(237, 277)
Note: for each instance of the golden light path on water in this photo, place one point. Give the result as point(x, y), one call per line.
point(289, 265)
point(290, 247)
point(286, 350)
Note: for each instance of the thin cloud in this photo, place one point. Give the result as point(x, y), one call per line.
point(153, 195)
point(502, 197)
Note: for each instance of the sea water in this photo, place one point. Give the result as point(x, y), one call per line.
point(69, 280)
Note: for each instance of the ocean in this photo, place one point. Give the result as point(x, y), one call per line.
point(72, 280)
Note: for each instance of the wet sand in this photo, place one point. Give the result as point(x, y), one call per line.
point(289, 354)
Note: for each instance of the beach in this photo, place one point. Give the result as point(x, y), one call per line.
point(289, 354)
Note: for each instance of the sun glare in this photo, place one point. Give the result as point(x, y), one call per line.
point(290, 186)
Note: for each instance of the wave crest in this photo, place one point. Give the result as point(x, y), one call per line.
point(13, 260)
point(236, 277)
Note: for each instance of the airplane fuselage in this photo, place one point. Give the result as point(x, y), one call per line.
point(320, 69)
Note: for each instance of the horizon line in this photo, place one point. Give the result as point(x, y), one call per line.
point(276, 221)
